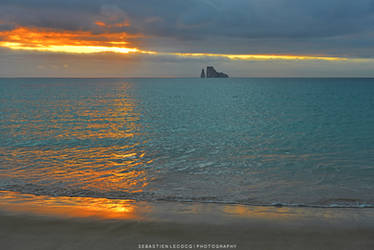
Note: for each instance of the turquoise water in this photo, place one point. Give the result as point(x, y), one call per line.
point(296, 142)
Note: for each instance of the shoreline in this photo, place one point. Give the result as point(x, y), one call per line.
point(33, 232)
point(38, 222)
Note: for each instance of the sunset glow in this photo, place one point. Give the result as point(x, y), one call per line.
point(261, 57)
point(83, 42)
point(71, 206)
point(67, 41)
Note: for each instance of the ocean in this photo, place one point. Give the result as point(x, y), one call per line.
point(253, 141)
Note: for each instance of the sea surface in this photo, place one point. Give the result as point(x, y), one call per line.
point(251, 141)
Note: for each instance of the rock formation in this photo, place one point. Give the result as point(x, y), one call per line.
point(212, 73)
point(202, 75)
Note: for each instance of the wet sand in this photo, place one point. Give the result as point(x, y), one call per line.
point(28, 223)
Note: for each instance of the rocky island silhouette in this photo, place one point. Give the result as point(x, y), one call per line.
point(212, 73)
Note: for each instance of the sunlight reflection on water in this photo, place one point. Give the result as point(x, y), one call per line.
point(86, 143)
point(292, 142)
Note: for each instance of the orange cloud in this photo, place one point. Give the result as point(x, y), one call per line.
point(50, 40)
point(115, 25)
point(67, 41)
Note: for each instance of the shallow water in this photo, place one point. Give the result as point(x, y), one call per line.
point(301, 142)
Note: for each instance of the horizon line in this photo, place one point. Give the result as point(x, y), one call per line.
point(175, 77)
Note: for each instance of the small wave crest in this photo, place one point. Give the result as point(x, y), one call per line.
point(149, 196)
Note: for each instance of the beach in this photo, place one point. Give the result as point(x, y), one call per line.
point(67, 224)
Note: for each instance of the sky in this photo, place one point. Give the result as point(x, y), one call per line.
point(177, 38)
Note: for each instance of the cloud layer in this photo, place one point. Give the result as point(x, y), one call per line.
point(192, 30)
point(335, 25)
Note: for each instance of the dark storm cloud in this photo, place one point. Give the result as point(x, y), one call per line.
point(199, 18)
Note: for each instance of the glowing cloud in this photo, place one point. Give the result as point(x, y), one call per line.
point(284, 57)
point(85, 42)
point(115, 25)
point(67, 41)
point(261, 57)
